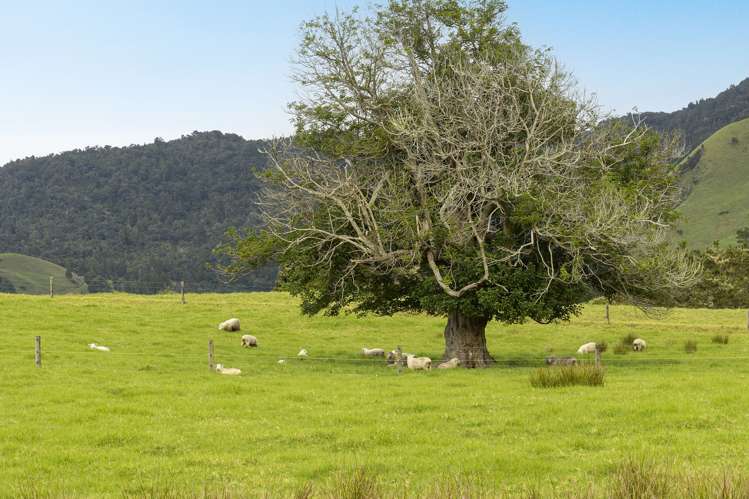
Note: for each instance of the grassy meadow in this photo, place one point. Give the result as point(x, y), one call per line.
point(149, 417)
point(30, 275)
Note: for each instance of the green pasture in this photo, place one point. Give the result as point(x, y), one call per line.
point(149, 415)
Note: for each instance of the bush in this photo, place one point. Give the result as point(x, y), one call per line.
point(555, 376)
point(629, 339)
point(690, 346)
point(721, 338)
point(602, 346)
point(622, 349)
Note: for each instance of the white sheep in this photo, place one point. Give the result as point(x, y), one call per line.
point(101, 348)
point(303, 353)
point(229, 325)
point(587, 348)
point(373, 352)
point(392, 357)
point(282, 361)
point(639, 345)
point(229, 371)
point(450, 364)
point(249, 341)
point(416, 363)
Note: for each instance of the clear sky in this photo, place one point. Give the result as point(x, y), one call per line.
point(75, 73)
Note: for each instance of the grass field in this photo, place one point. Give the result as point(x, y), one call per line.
point(31, 275)
point(149, 417)
point(717, 205)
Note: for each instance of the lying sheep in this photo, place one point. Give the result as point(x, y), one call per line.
point(249, 341)
point(639, 345)
point(450, 364)
point(560, 361)
point(229, 371)
point(303, 353)
point(416, 363)
point(229, 325)
point(587, 348)
point(373, 352)
point(101, 348)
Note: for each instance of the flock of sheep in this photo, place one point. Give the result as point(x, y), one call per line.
point(638, 345)
point(393, 358)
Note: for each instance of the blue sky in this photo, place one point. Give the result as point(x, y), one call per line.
point(78, 73)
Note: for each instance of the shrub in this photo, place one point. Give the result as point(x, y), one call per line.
point(629, 339)
point(555, 376)
point(721, 338)
point(602, 346)
point(622, 349)
point(690, 346)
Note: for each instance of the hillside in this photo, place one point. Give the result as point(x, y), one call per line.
point(135, 218)
point(716, 178)
point(29, 275)
point(699, 120)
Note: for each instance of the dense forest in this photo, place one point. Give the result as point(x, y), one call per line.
point(136, 218)
point(699, 120)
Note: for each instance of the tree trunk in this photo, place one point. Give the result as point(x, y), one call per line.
point(465, 338)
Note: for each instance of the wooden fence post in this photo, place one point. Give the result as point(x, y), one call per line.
point(38, 351)
point(182, 290)
point(211, 365)
point(51, 286)
point(399, 358)
point(608, 321)
point(598, 356)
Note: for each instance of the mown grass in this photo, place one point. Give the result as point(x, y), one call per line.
point(150, 416)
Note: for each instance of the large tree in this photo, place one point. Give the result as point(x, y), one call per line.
point(440, 165)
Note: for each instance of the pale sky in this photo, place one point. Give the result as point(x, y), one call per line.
point(81, 73)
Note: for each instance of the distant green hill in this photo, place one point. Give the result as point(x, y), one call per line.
point(716, 178)
point(29, 275)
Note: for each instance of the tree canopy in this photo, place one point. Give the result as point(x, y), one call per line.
point(440, 165)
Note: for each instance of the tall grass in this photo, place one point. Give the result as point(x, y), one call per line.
point(690, 346)
point(556, 376)
point(720, 339)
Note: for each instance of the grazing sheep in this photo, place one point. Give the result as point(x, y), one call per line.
point(249, 341)
point(392, 357)
point(229, 371)
point(561, 361)
point(450, 364)
point(282, 361)
point(639, 345)
point(101, 348)
point(417, 363)
point(229, 325)
point(303, 353)
point(587, 348)
point(373, 352)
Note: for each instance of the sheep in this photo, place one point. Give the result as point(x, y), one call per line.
point(229, 325)
point(303, 353)
point(450, 364)
point(560, 361)
point(229, 371)
point(587, 348)
point(416, 363)
point(373, 352)
point(249, 341)
point(392, 357)
point(282, 361)
point(101, 348)
point(639, 345)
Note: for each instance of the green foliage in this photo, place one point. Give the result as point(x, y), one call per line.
point(149, 214)
point(690, 346)
point(724, 282)
point(628, 339)
point(558, 376)
point(721, 339)
point(622, 349)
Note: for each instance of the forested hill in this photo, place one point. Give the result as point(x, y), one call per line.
point(699, 120)
point(142, 216)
